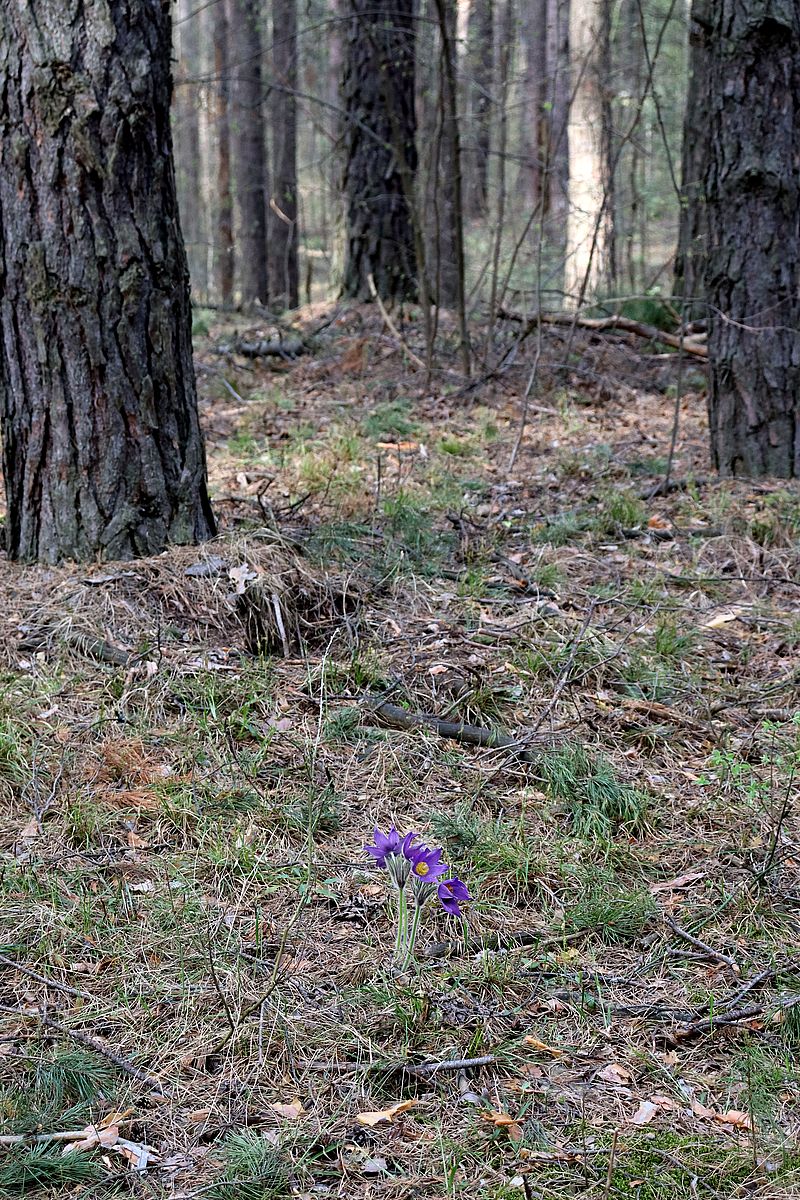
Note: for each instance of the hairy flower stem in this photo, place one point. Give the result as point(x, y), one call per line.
point(402, 925)
point(412, 939)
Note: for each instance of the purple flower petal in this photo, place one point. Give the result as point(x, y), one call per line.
point(453, 893)
point(385, 844)
point(426, 864)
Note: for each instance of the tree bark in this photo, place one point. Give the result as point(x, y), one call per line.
point(379, 153)
point(589, 218)
point(249, 149)
point(223, 242)
point(556, 184)
point(186, 131)
point(480, 73)
point(102, 449)
point(283, 201)
point(534, 143)
point(690, 259)
point(752, 189)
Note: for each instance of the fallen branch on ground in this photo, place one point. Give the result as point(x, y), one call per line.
point(13, 965)
point(390, 325)
point(395, 717)
point(90, 1043)
point(709, 951)
point(285, 348)
point(616, 324)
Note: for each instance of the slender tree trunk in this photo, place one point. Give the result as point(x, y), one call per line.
point(534, 42)
point(480, 82)
point(283, 201)
point(556, 202)
point(692, 234)
point(380, 156)
point(249, 149)
point(588, 220)
point(102, 449)
point(752, 189)
point(446, 252)
point(223, 242)
point(446, 14)
point(186, 110)
point(628, 195)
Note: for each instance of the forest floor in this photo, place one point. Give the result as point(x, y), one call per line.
point(196, 978)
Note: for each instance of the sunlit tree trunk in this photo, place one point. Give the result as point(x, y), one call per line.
point(752, 189)
point(248, 140)
point(102, 451)
point(589, 227)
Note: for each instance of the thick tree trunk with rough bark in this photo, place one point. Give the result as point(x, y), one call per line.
point(693, 228)
point(102, 450)
point(283, 201)
point(752, 190)
point(248, 136)
point(223, 242)
point(379, 153)
point(480, 84)
point(589, 228)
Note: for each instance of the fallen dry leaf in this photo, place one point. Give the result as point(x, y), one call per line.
point(733, 1116)
point(674, 885)
point(537, 1045)
point(371, 1119)
point(615, 1073)
point(291, 1111)
point(502, 1120)
point(644, 1113)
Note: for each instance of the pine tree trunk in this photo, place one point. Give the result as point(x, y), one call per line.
point(380, 157)
point(589, 237)
point(248, 137)
point(480, 72)
point(223, 242)
point(534, 41)
point(693, 230)
point(283, 201)
point(186, 131)
point(446, 252)
point(556, 185)
point(102, 450)
point(752, 189)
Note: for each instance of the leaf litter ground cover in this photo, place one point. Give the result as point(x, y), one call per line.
point(199, 996)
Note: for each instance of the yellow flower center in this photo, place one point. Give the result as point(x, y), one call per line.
point(421, 868)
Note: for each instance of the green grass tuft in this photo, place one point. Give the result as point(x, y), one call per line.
point(600, 805)
point(24, 1168)
point(608, 909)
point(252, 1169)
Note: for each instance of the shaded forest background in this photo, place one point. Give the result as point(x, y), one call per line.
point(515, 77)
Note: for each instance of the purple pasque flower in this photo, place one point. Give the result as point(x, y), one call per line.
point(426, 864)
point(384, 845)
point(453, 893)
point(392, 851)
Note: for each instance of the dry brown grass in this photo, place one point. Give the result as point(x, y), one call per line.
point(182, 832)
